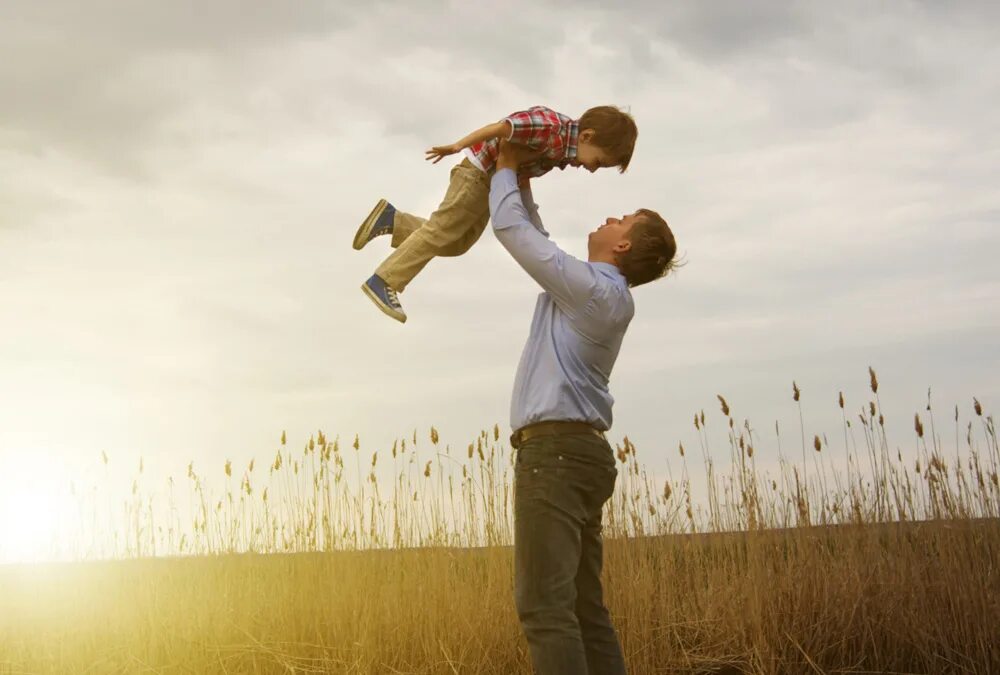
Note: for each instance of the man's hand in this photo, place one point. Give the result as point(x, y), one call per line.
point(439, 152)
point(512, 156)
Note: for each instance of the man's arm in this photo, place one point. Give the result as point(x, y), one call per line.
point(501, 129)
point(570, 281)
point(530, 206)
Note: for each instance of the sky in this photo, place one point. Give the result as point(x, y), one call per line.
point(180, 184)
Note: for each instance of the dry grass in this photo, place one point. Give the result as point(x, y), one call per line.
point(880, 565)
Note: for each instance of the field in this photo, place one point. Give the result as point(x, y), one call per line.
point(875, 563)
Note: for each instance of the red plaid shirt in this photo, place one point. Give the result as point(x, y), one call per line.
point(540, 128)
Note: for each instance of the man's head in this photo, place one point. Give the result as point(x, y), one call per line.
point(640, 244)
point(606, 138)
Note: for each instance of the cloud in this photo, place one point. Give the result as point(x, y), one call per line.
point(181, 184)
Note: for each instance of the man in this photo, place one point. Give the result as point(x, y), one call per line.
point(560, 409)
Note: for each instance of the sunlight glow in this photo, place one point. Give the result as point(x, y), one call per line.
point(34, 504)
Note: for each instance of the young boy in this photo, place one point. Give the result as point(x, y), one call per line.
point(603, 137)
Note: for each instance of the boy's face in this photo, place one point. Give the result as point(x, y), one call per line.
point(589, 155)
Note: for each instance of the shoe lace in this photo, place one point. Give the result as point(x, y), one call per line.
point(391, 294)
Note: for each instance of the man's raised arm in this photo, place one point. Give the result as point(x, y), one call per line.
point(570, 281)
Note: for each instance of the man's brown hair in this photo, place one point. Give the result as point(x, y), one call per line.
point(614, 132)
point(653, 250)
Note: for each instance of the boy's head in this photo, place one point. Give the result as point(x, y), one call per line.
point(606, 138)
point(640, 244)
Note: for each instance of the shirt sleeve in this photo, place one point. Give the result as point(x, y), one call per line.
point(533, 127)
point(532, 209)
point(570, 281)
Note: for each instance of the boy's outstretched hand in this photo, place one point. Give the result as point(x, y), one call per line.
point(439, 152)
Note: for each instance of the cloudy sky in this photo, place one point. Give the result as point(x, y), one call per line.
point(180, 183)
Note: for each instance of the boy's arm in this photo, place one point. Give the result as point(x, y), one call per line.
point(531, 127)
point(501, 129)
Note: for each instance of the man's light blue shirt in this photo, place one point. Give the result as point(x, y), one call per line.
point(579, 322)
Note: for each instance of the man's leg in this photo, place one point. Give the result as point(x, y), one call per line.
point(449, 231)
point(548, 516)
point(604, 653)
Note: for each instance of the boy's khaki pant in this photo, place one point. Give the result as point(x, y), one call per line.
point(451, 230)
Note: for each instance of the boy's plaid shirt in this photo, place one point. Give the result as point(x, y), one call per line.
point(540, 128)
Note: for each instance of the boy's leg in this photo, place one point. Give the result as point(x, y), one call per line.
point(403, 225)
point(449, 231)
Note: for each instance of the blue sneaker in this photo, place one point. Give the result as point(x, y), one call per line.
point(384, 297)
point(378, 222)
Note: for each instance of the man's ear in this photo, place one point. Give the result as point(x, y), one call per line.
point(587, 136)
point(623, 246)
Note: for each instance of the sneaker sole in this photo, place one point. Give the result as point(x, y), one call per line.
point(365, 231)
point(388, 311)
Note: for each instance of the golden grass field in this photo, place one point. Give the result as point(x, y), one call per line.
point(869, 562)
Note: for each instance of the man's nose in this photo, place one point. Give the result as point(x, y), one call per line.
point(591, 169)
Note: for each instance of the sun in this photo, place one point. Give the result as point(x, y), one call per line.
point(35, 507)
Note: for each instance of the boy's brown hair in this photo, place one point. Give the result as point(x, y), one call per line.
point(653, 250)
point(614, 131)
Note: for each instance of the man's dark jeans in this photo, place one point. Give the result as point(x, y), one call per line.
point(560, 486)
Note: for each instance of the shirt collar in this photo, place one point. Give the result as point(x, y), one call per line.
point(572, 139)
point(610, 271)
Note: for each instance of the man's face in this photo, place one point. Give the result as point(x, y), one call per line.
point(590, 156)
point(613, 235)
